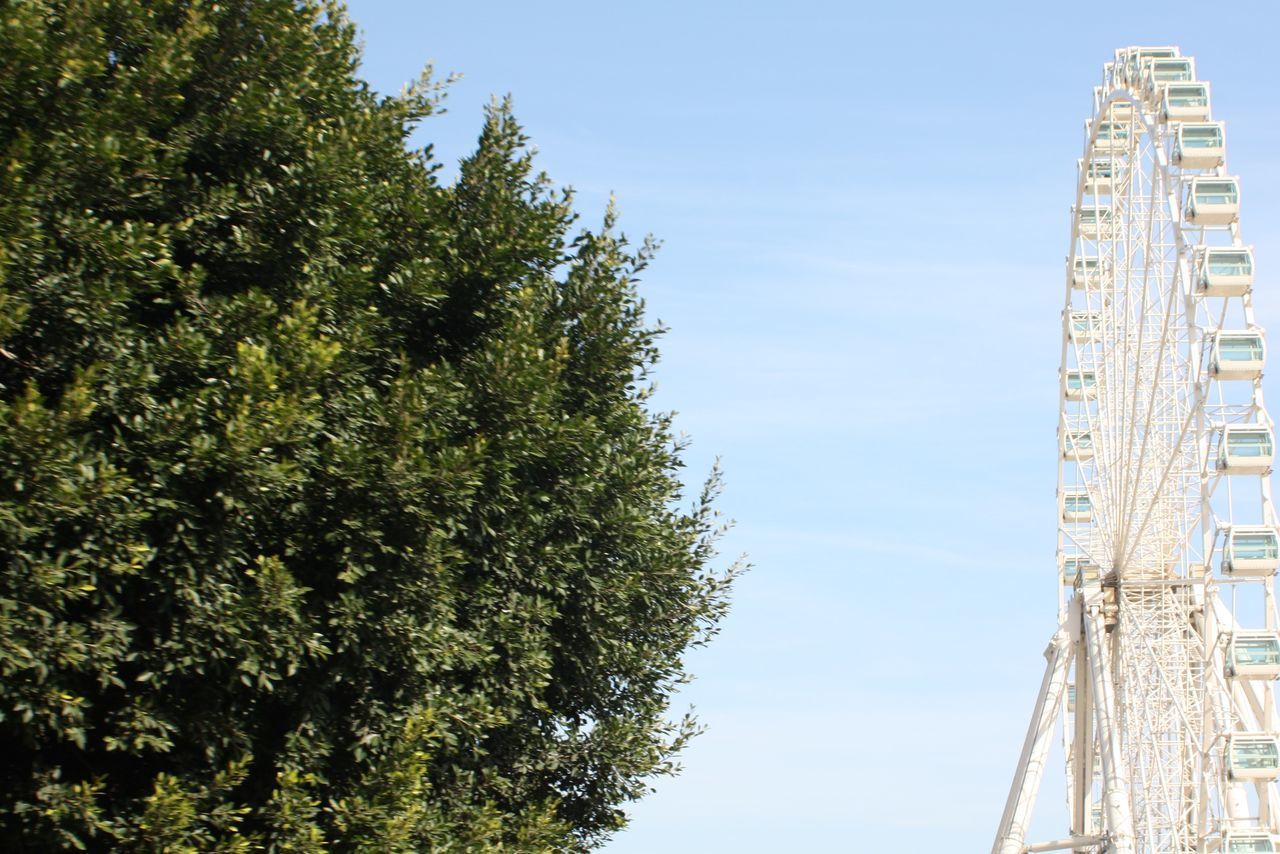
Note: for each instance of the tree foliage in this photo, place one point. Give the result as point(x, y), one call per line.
point(331, 512)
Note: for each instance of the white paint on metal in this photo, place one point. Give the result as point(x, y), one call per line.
point(1156, 268)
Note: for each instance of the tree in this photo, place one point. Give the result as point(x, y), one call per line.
point(332, 514)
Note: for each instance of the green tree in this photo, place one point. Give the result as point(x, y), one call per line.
point(332, 514)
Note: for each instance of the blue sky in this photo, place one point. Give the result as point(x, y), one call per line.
point(864, 212)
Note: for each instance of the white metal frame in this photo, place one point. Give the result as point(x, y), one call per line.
point(1143, 645)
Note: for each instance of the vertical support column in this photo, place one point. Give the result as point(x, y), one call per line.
point(1115, 774)
point(1268, 688)
point(1082, 752)
point(1011, 837)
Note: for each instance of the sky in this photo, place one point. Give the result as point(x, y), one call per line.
point(864, 211)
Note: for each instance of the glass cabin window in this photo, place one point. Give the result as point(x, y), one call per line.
point(1201, 136)
point(1079, 440)
point(1240, 348)
point(1253, 443)
point(1077, 504)
point(1139, 59)
point(1084, 323)
point(1170, 70)
point(1113, 131)
point(1255, 754)
point(1229, 263)
point(1216, 192)
point(1246, 652)
point(1075, 567)
point(1187, 96)
point(1081, 379)
point(1250, 846)
point(1257, 546)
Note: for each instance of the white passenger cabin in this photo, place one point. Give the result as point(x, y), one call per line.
point(1251, 550)
point(1237, 355)
point(1077, 445)
point(1081, 385)
point(1160, 71)
point(1084, 326)
point(1084, 273)
point(1112, 138)
point(1245, 842)
point(1253, 756)
point(1185, 102)
point(1224, 271)
point(1245, 449)
point(1095, 222)
point(1213, 201)
point(1099, 177)
point(1130, 62)
point(1076, 507)
point(1079, 568)
point(1253, 655)
point(1199, 146)
point(1120, 111)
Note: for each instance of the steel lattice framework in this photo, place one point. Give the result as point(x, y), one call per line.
point(1163, 665)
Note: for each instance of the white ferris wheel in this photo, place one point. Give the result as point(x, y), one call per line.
point(1162, 670)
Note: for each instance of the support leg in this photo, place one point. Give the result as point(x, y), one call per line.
point(1115, 774)
point(1011, 838)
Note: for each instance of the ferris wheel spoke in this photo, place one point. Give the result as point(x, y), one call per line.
point(1160, 485)
point(1133, 363)
point(1156, 376)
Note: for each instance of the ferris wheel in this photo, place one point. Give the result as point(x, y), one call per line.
point(1162, 670)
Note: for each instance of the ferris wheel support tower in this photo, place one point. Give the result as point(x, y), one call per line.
point(1162, 668)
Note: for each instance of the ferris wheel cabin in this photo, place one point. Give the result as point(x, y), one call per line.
point(1199, 146)
point(1253, 655)
point(1084, 326)
point(1237, 355)
point(1158, 71)
point(1121, 111)
point(1130, 62)
point(1078, 445)
point(1253, 756)
point(1079, 568)
point(1245, 842)
point(1224, 271)
point(1185, 102)
point(1251, 550)
point(1081, 385)
point(1076, 507)
point(1112, 138)
point(1084, 273)
point(1095, 222)
point(1213, 201)
point(1245, 449)
point(1099, 177)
